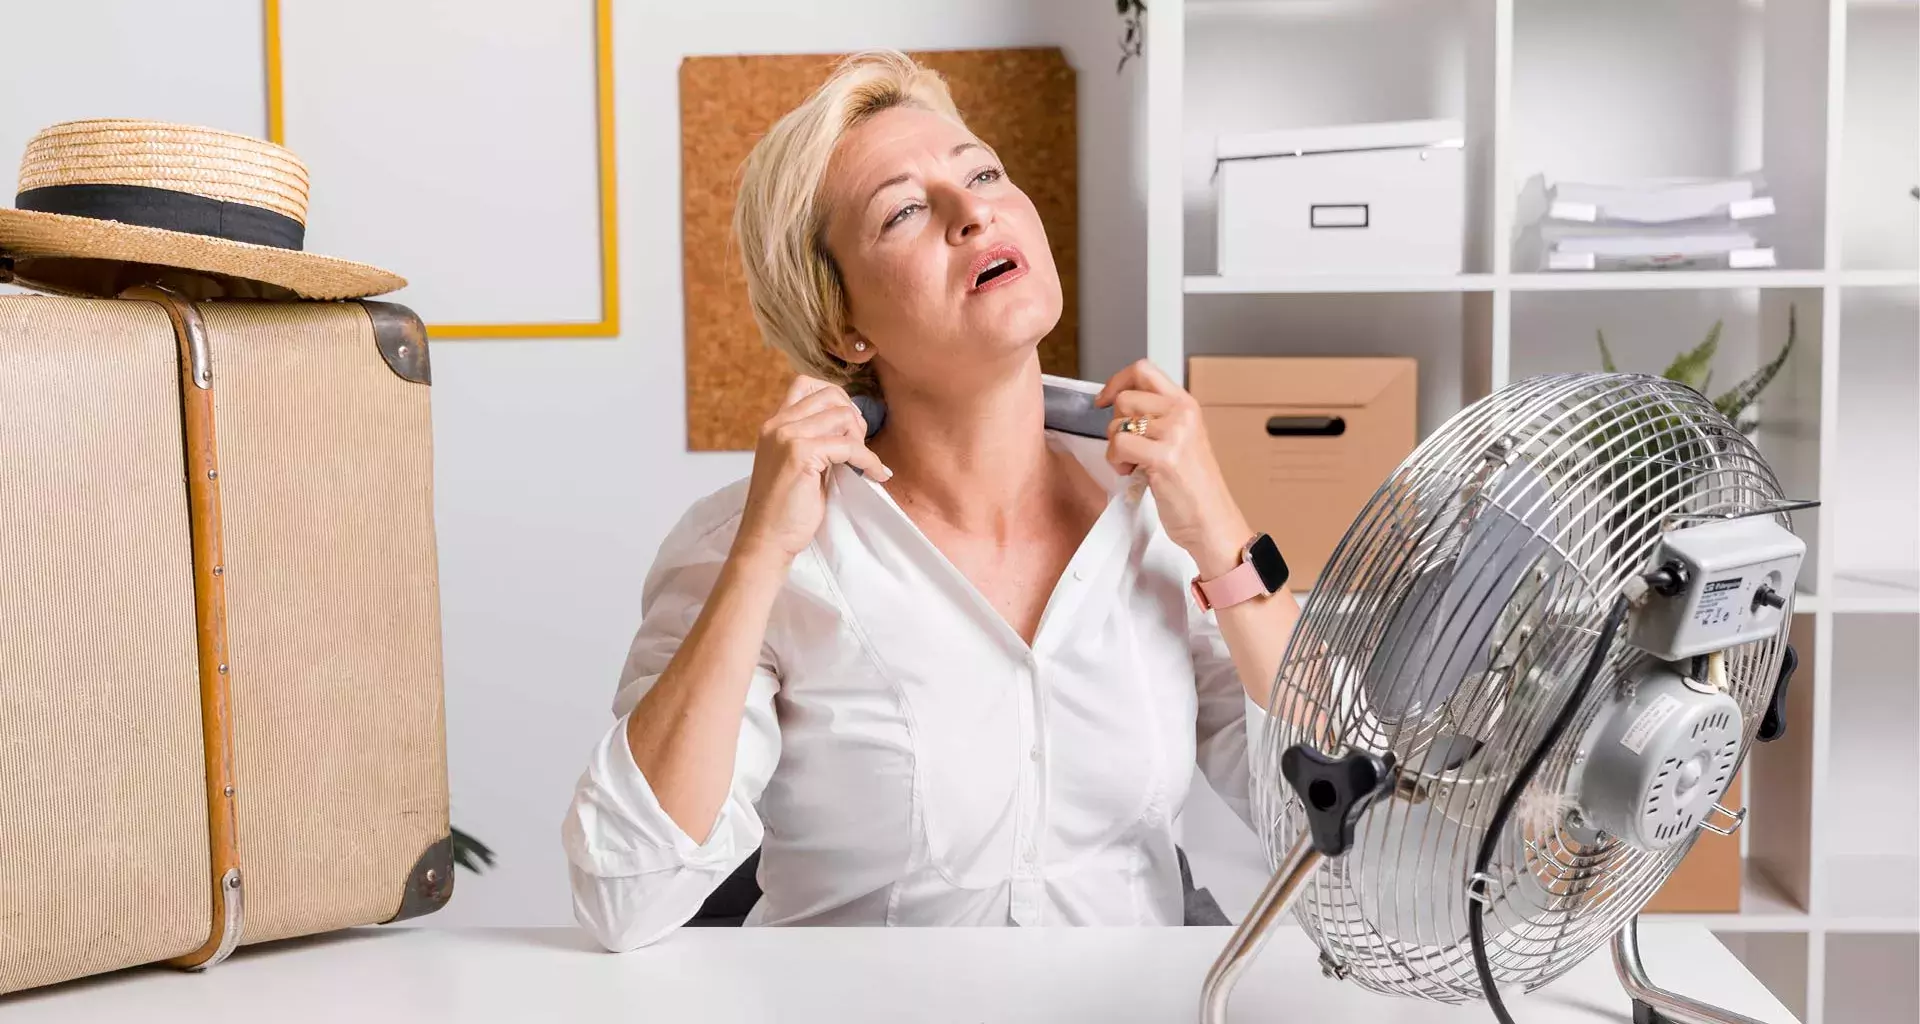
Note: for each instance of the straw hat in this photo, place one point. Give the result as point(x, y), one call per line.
point(107, 204)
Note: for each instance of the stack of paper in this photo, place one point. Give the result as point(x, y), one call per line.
point(1644, 225)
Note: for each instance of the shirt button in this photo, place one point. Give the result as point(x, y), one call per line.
point(1080, 575)
point(1033, 753)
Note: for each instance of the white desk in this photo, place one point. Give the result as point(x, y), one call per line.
point(1055, 976)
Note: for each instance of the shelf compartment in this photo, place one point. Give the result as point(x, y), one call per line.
point(1879, 278)
point(1554, 332)
point(1879, 218)
point(1286, 284)
point(1638, 89)
point(1873, 892)
point(1448, 333)
point(1868, 822)
point(1256, 67)
point(1875, 484)
point(1571, 281)
point(1870, 979)
point(1657, 280)
point(1765, 906)
point(1779, 830)
point(1871, 590)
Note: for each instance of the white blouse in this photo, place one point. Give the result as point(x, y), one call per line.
point(905, 758)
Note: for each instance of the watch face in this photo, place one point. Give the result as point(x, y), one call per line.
point(1264, 554)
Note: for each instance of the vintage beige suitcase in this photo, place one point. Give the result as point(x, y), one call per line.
point(221, 716)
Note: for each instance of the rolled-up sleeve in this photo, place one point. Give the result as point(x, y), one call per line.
point(635, 874)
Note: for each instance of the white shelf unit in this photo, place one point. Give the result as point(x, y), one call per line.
point(1824, 97)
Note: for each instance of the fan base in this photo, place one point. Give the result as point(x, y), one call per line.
point(1644, 1013)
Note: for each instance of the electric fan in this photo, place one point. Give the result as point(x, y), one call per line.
point(1521, 687)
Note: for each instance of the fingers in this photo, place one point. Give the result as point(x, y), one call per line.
point(825, 452)
point(860, 457)
point(834, 434)
point(1128, 452)
point(1122, 381)
point(801, 387)
point(811, 403)
point(1128, 404)
point(1156, 379)
point(1139, 375)
point(834, 420)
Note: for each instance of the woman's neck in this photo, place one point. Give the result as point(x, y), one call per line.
point(976, 460)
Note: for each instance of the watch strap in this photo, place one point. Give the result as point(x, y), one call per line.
point(1240, 583)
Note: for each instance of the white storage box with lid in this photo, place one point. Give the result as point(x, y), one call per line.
point(1366, 198)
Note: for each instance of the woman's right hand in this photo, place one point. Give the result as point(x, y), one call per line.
point(816, 427)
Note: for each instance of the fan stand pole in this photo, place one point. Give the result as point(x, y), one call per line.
point(1274, 900)
point(1653, 1004)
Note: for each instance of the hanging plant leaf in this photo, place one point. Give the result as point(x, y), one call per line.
point(1135, 34)
point(1734, 403)
point(1691, 368)
point(1606, 356)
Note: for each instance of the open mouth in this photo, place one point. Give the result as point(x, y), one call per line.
point(995, 269)
point(1000, 264)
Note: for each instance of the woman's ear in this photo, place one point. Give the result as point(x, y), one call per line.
point(853, 347)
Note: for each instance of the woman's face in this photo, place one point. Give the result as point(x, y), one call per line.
point(943, 259)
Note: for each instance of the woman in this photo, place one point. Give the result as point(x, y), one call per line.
point(953, 676)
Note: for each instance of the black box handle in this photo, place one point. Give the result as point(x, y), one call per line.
point(1306, 426)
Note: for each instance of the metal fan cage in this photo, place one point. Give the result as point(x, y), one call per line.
point(1586, 471)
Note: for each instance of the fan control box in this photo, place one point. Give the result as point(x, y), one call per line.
point(1726, 582)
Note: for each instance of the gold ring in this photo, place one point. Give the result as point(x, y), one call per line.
point(1135, 425)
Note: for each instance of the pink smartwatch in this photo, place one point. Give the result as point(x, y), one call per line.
point(1261, 572)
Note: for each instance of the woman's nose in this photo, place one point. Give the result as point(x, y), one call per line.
point(968, 215)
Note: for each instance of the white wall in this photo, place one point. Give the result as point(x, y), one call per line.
point(561, 464)
point(42, 46)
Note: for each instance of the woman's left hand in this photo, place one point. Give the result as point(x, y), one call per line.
point(1196, 508)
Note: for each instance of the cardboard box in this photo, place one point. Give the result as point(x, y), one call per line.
point(1305, 442)
point(1361, 198)
point(1707, 880)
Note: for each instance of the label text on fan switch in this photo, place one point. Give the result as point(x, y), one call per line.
point(1718, 602)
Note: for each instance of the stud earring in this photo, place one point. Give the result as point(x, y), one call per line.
point(859, 346)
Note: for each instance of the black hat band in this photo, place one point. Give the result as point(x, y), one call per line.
point(168, 210)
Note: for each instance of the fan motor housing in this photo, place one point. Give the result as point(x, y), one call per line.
point(1656, 761)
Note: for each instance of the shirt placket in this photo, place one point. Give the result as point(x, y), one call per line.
point(1026, 898)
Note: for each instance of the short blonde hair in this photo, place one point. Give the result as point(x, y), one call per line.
point(779, 219)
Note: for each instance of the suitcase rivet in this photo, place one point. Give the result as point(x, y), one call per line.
point(219, 570)
point(213, 474)
point(223, 668)
point(433, 875)
point(229, 790)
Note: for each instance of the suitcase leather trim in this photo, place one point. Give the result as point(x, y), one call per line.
point(210, 614)
point(429, 884)
point(402, 338)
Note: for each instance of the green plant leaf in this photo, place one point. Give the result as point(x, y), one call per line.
point(1691, 368)
point(1734, 402)
point(1606, 356)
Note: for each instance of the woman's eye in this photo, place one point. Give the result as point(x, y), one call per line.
point(988, 176)
point(901, 214)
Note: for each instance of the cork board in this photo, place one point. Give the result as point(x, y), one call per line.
point(1020, 101)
